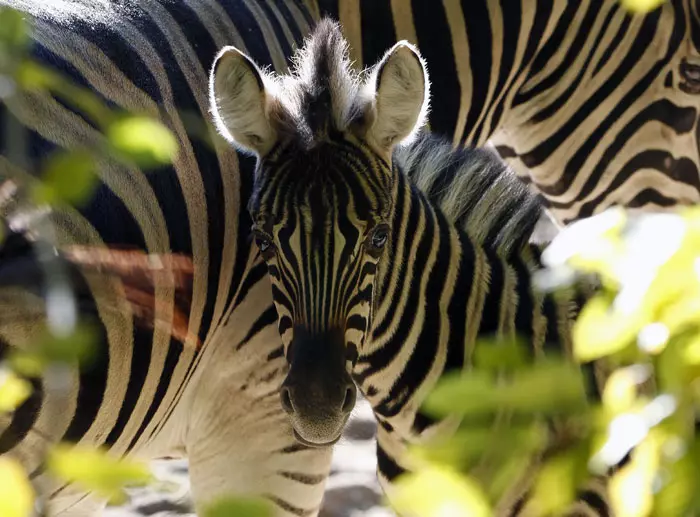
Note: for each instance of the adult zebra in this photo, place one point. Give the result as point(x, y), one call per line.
point(593, 105)
point(375, 281)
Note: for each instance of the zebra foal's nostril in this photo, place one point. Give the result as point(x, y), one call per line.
point(286, 400)
point(350, 398)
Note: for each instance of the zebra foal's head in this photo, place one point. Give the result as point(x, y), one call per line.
point(323, 202)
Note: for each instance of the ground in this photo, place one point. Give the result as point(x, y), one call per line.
point(352, 489)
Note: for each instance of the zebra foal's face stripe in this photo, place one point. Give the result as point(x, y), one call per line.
point(321, 224)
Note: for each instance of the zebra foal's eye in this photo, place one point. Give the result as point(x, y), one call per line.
point(379, 237)
point(263, 242)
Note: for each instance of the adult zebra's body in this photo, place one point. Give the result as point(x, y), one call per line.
point(371, 280)
point(594, 105)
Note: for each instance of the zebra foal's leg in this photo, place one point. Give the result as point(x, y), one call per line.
point(238, 438)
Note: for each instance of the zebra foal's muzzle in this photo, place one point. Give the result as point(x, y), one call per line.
point(318, 393)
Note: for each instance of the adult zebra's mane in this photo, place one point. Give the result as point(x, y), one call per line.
point(474, 189)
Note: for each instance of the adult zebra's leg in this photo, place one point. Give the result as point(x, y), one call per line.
point(238, 439)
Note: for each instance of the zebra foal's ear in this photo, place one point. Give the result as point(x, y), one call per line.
point(241, 102)
point(399, 90)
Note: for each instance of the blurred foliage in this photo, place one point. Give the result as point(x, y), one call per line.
point(13, 390)
point(514, 411)
point(438, 491)
point(640, 332)
point(642, 329)
point(512, 408)
point(527, 391)
point(641, 6)
point(75, 348)
point(14, 38)
point(16, 493)
point(69, 176)
point(96, 471)
point(239, 507)
point(144, 140)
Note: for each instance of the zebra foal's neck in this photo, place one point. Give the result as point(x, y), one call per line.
point(460, 268)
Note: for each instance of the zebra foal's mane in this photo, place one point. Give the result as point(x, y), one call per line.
point(474, 189)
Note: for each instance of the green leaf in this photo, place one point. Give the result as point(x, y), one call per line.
point(669, 366)
point(16, 493)
point(678, 492)
point(239, 507)
point(500, 354)
point(681, 314)
point(13, 390)
point(599, 331)
point(471, 444)
point(691, 351)
point(26, 363)
point(631, 487)
point(78, 347)
point(436, 492)
point(620, 392)
point(32, 76)
point(503, 476)
point(557, 482)
point(471, 393)
point(548, 387)
point(641, 6)
point(13, 29)
point(68, 177)
point(94, 469)
point(143, 140)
